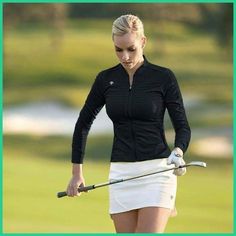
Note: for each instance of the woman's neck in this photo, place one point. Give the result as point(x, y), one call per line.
point(133, 70)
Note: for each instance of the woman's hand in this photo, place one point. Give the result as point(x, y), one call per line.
point(176, 158)
point(76, 181)
point(74, 184)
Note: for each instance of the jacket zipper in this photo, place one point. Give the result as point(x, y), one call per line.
point(130, 98)
point(130, 116)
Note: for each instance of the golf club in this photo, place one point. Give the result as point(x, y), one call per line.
point(91, 187)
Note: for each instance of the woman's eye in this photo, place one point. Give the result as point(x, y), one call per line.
point(118, 50)
point(132, 49)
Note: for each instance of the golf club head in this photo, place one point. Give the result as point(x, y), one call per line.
point(197, 163)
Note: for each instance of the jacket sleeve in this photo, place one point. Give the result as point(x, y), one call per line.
point(175, 107)
point(93, 104)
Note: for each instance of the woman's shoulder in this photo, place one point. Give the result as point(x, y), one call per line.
point(109, 70)
point(162, 72)
point(158, 68)
point(104, 75)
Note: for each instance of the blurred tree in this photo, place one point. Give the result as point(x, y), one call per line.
point(154, 11)
point(213, 17)
point(226, 25)
point(53, 15)
point(15, 13)
point(218, 19)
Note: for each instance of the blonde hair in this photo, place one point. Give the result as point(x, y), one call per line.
point(127, 24)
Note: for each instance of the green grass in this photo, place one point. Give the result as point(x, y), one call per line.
point(30, 203)
point(36, 168)
point(39, 65)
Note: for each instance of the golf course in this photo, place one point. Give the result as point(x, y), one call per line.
point(40, 66)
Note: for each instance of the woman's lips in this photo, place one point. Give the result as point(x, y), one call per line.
point(127, 63)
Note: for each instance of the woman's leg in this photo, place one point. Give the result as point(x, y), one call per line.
point(152, 219)
point(125, 222)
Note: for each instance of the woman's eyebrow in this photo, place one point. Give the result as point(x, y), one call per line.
point(118, 47)
point(132, 46)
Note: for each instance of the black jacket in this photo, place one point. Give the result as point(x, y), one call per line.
point(137, 113)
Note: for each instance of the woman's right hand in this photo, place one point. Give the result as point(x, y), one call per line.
point(74, 184)
point(76, 181)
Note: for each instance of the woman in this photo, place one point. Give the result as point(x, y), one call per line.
point(136, 94)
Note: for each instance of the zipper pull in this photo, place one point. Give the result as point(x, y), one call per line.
point(130, 87)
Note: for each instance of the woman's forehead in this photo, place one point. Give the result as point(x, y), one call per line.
point(126, 40)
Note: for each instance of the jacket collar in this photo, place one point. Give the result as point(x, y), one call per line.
point(145, 63)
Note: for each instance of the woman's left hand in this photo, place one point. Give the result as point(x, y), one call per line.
point(176, 158)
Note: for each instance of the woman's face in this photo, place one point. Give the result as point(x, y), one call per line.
point(129, 49)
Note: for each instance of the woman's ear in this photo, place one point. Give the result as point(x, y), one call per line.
point(144, 41)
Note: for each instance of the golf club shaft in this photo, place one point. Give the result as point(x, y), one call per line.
point(91, 187)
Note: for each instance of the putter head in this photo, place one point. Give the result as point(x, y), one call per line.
point(197, 163)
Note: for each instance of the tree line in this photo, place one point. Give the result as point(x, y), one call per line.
point(216, 18)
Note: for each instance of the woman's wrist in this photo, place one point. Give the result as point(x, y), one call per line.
point(77, 170)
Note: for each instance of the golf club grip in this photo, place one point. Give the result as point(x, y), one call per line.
point(80, 189)
point(86, 188)
point(61, 194)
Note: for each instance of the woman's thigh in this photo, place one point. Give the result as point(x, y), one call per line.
point(125, 222)
point(152, 219)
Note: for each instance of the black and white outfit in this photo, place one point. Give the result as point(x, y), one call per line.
point(139, 144)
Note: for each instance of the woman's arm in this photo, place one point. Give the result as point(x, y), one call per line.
point(93, 104)
point(174, 104)
point(175, 107)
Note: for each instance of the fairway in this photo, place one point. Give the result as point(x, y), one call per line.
point(35, 168)
point(32, 180)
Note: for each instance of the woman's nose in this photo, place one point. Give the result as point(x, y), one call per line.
point(125, 56)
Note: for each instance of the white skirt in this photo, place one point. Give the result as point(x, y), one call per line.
point(158, 190)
